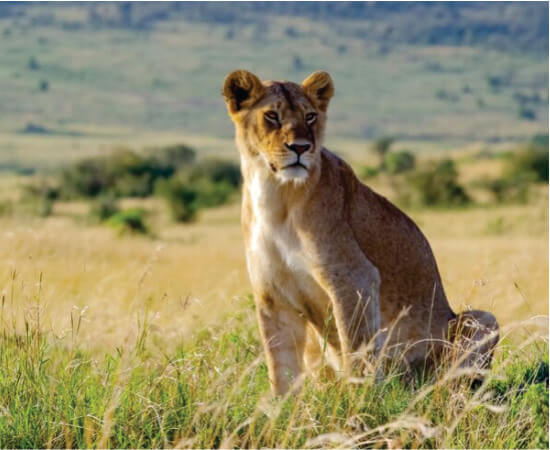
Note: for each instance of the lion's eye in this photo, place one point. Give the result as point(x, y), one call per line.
point(311, 117)
point(272, 116)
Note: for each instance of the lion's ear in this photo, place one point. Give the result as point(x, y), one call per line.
point(319, 87)
point(241, 89)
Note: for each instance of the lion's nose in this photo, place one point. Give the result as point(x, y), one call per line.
point(298, 148)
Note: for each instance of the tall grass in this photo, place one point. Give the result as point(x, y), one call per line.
point(213, 391)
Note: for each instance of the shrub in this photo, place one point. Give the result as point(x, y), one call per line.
point(124, 173)
point(218, 171)
point(42, 188)
point(186, 195)
point(297, 63)
point(368, 172)
point(522, 168)
point(532, 161)
point(104, 207)
point(397, 162)
point(129, 174)
point(442, 94)
point(181, 197)
point(187, 186)
point(33, 64)
point(212, 194)
point(526, 113)
point(540, 140)
point(34, 128)
point(495, 82)
point(381, 146)
point(133, 185)
point(86, 178)
point(174, 156)
point(435, 184)
point(44, 85)
point(513, 189)
point(129, 221)
point(39, 197)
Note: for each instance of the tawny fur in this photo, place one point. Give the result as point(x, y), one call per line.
point(329, 260)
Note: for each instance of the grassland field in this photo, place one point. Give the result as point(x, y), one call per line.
point(139, 341)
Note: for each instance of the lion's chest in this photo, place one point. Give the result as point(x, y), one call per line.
point(278, 262)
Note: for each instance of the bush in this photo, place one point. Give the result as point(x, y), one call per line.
point(212, 194)
point(133, 185)
point(44, 85)
point(186, 195)
point(381, 146)
point(132, 175)
point(34, 128)
point(33, 64)
point(124, 173)
point(522, 168)
point(129, 221)
point(397, 162)
point(368, 172)
point(181, 197)
point(174, 156)
point(531, 161)
point(508, 189)
point(186, 185)
point(86, 178)
point(526, 113)
point(218, 171)
point(540, 140)
point(39, 197)
point(435, 184)
point(42, 188)
point(104, 207)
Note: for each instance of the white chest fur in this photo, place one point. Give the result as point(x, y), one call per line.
point(275, 256)
point(272, 228)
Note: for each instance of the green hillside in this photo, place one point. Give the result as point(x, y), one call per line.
point(443, 73)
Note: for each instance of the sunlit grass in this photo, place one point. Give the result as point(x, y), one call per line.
point(212, 390)
point(151, 341)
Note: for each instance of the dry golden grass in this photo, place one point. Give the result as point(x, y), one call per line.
point(494, 258)
point(104, 341)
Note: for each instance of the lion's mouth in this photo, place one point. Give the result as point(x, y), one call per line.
point(296, 164)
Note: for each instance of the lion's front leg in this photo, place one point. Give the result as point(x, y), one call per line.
point(353, 285)
point(283, 333)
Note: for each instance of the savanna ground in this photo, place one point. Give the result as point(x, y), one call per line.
point(133, 341)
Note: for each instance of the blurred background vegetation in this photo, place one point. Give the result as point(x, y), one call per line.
point(103, 101)
point(432, 75)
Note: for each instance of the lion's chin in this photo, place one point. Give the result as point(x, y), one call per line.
point(296, 174)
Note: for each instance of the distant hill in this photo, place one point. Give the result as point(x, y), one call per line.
point(465, 71)
point(501, 25)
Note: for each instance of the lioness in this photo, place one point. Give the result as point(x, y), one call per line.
point(328, 258)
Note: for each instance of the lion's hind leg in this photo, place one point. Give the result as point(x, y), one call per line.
point(474, 335)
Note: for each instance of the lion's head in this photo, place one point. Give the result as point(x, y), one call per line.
point(279, 125)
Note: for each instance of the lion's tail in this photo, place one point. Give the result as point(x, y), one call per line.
point(475, 335)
